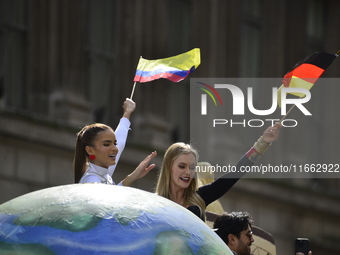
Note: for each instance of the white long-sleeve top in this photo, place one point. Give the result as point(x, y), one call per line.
point(99, 174)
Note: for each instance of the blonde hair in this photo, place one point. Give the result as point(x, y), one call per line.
point(163, 184)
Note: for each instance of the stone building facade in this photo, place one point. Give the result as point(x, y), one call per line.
point(64, 64)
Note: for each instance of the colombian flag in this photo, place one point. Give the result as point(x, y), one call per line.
point(306, 72)
point(175, 68)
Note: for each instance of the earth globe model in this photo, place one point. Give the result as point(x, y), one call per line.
point(102, 219)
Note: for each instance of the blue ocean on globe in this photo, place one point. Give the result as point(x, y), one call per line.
point(102, 219)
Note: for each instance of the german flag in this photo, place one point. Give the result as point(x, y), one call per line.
point(306, 72)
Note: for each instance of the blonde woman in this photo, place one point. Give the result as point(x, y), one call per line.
point(177, 180)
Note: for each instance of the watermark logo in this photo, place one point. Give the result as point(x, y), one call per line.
point(236, 97)
point(239, 99)
point(210, 91)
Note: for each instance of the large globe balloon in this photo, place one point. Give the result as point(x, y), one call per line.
point(102, 219)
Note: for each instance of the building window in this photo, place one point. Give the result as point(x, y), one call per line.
point(251, 36)
point(101, 46)
point(316, 25)
point(13, 35)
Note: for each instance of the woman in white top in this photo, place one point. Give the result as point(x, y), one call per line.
point(97, 152)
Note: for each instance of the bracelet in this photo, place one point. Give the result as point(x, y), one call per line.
point(261, 146)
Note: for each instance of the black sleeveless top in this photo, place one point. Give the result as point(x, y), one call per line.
point(213, 191)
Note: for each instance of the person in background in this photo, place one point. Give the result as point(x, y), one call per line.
point(235, 229)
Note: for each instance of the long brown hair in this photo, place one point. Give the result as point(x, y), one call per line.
point(163, 184)
point(85, 137)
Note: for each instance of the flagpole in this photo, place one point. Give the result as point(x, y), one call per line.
point(134, 85)
point(133, 90)
point(291, 108)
